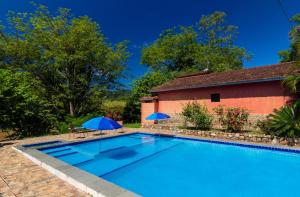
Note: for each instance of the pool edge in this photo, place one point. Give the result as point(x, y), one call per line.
point(99, 187)
point(276, 147)
point(80, 179)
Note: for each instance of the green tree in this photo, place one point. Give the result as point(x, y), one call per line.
point(216, 50)
point(181, 50)
point(208, 45)
point(174, 50)
point(23, 105)
point(293, 54)
point(140, 88)
point(114, 109)
point(70, 56)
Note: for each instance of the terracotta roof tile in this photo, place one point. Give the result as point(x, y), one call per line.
point(249, 75)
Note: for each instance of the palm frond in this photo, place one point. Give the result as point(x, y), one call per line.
point(286, 121)
point(291, 82)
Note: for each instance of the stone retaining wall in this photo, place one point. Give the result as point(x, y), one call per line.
point(257, 138)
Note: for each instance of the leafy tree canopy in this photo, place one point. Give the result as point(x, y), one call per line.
point(181, 50)
point(293, 53)
point(141, 87)
point(114, 109)
point(69, 55)
point(23, 104)
point(208, 44)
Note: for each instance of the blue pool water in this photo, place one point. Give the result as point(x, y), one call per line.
point(164, 166)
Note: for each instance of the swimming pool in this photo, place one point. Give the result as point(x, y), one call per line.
point(152, 165)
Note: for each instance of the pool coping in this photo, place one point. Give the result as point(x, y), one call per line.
point(275, 147)
point(80, 179)
point(99, 187)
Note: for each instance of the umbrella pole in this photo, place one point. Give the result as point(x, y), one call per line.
point(100, 141)
point(158, 128)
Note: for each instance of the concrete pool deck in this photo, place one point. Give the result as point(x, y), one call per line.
point(19, 176)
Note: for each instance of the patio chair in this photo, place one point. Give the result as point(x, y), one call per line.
point(76, 130)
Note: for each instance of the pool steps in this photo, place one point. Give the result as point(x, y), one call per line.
point(110, 161)
point(50, 151)
point(44, 144)
point(101, 154)
point(62, 152)
point(66, 154)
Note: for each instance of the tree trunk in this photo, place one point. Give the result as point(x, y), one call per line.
point(72, 110)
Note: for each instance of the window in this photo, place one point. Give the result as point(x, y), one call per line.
point(215, 97)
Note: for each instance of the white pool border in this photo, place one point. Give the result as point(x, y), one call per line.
point(80, 179)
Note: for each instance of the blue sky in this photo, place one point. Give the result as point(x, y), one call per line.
point(263, 28)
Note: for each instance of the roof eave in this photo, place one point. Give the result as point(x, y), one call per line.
point(221, 84)
point(149, 98)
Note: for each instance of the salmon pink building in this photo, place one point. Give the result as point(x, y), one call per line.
point(257, 89)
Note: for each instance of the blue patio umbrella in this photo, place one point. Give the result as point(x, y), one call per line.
point(101, 123)
point(157, 116)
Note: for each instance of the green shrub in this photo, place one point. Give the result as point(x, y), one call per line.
point(77, 121)
point(114, 109)
point(63, 127)
point(264, 126)
point(285, 122)
point(23, 105)
point(198, 115)
point(132, 111)
point(132, 125)
point(232, 118)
